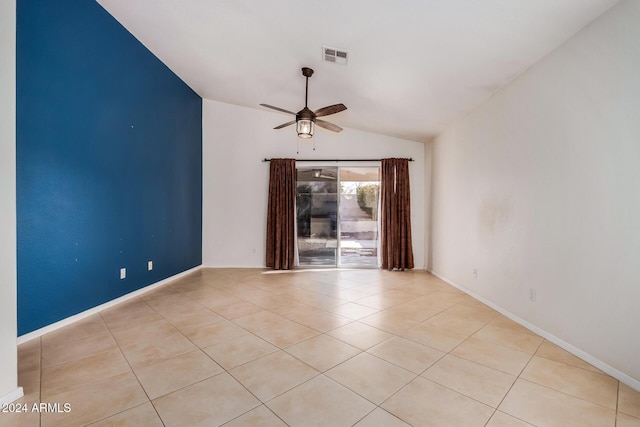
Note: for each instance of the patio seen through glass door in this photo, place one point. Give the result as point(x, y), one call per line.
point(337, 216)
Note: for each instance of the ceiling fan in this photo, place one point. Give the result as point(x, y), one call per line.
point(320, 173)
point(305, 118)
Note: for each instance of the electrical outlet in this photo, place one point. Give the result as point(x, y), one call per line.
point(150, 265)
point(532, 294)
point(123, 273)
point(475, 273)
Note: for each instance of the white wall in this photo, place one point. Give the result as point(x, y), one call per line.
point(8, 326)
point(539, 188)
point(235, 180)
point(428, 189)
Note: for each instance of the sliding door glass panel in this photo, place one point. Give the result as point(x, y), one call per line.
point(317, 216)
point(358, 216)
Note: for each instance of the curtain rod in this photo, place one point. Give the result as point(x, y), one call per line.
point(335, 160)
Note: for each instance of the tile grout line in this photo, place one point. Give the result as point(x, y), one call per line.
point(224, 369)
point(134, 374)
point(189, 385)
point(324, 373)
point(253, 409)
point(615, 421)
point(516, 380)
point(563, 392)
point(450, 352)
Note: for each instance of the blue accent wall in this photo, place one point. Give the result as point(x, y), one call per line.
point(109, 162)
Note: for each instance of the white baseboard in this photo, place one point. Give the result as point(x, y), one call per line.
point(72, 319)
point(619, 375)
point(417, 267)
point(11, 397)
point(235, 266)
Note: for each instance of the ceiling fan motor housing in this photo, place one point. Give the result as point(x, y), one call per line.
point(305, 114)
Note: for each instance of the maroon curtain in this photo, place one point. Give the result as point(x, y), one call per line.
point(395, 210)
point(281, 214)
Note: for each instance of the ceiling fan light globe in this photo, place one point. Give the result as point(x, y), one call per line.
point(305, 128)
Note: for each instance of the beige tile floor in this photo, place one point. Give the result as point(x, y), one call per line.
point(240, 347)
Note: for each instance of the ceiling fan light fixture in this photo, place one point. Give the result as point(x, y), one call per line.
point(305, 128)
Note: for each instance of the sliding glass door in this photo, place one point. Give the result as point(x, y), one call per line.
point(337, 216)
point(317, 216)
point(358, 216)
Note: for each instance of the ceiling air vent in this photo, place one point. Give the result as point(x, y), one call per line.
point(337, 56)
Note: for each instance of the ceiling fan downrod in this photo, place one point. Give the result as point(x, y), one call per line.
point(306, 114)
point(307, 72)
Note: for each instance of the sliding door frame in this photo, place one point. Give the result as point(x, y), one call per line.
point(339, 165)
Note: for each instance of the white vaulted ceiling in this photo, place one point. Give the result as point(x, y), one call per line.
point(414, 65)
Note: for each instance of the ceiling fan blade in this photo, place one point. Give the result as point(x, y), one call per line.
point(278, 109)
point(328, 126)
point(331, 109)
point(284, 125)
